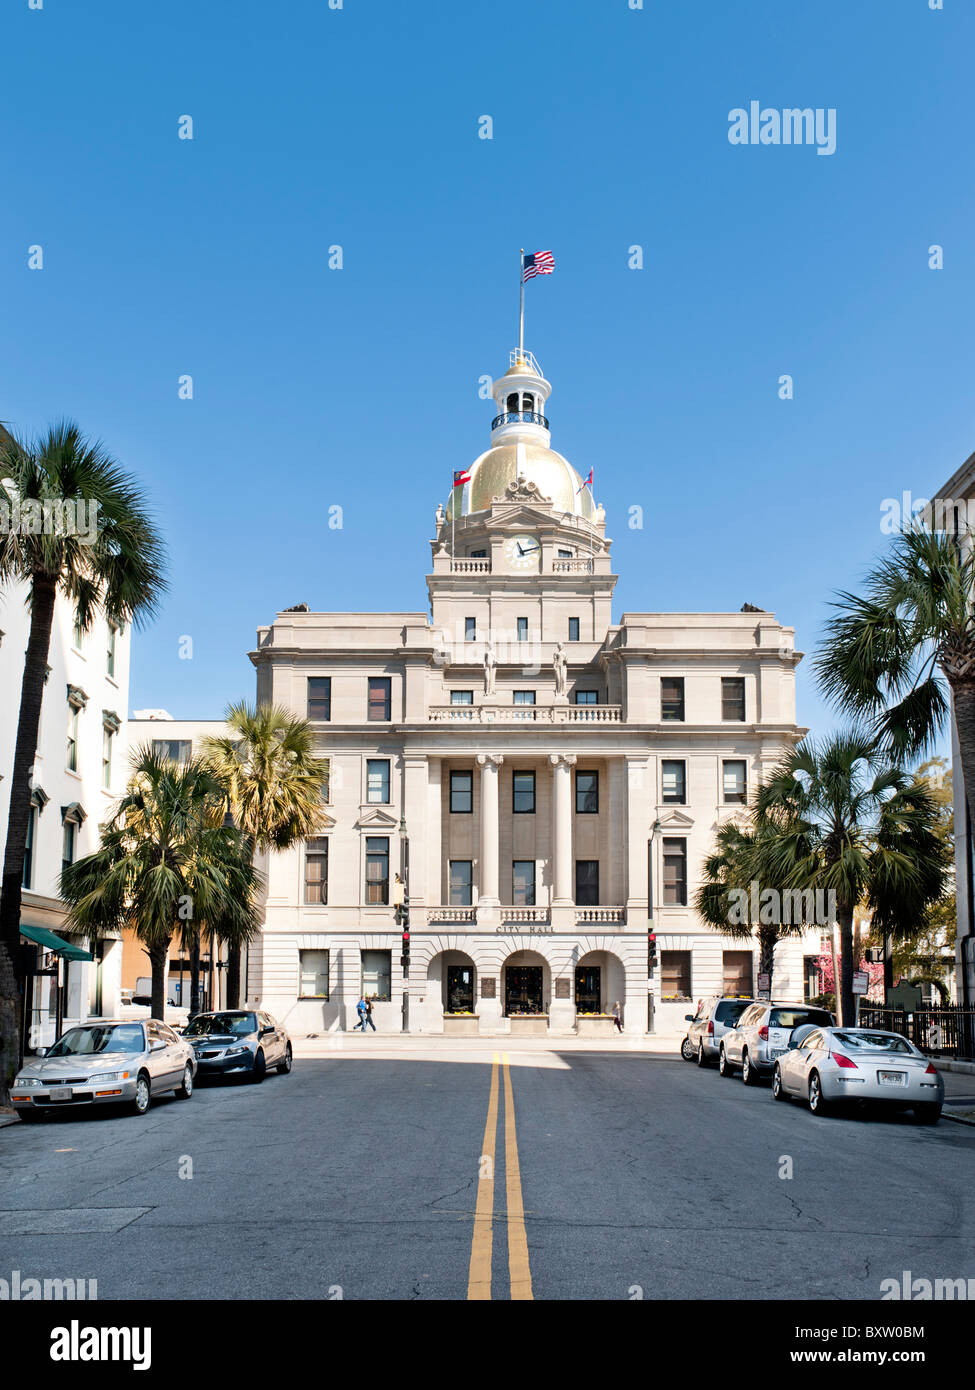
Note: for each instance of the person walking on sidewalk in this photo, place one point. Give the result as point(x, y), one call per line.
point(362, 1010)
point(617, 1017)
point(368, 1017)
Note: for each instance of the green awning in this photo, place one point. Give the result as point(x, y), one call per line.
point(51, 942)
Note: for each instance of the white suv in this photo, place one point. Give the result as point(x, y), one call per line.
point(762, 1034)
point(708, 1026)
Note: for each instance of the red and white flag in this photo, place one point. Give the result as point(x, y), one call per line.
point(537, 263)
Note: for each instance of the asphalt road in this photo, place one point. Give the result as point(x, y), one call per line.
point(360, 1178)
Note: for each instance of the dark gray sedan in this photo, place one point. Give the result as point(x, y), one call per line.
point(238, 1042)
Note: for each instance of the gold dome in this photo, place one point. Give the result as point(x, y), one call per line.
point(522, 368)
point(552, 474)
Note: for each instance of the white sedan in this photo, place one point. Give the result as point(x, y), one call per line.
point(827, 1065)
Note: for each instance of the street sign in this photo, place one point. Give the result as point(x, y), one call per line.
point(861, 982)
point(764, 985)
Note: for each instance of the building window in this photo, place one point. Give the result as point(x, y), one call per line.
point(673, 781)
point(462, 793)
point(377, 781)
point(675, 975)
point(77, 633)
point(470, 629)
point(110, 650)
point(735, 787)
point(312, 974)
point(675, 873)
point(737, 973)
point(28, 874)
point(523, 793)
point(377, 870)
point(565, 555)
point(522, 629)
point(320, 698)
point(73, 716)
point(462, 697)
point(587, 697)
point(68, 844)
point(316, 871)
point(376, 974)
point(478, 554)
point(523, 883)
point(733, 698)
point(172, 750)
point(587, 882)
point(461, 878)
point(524, 697)
point(107, 736)
point(810, 976)
point(380, 697)
point(573, 629)
point(672, 698)
point(587, 793)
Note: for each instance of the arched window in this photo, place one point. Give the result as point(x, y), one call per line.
point(528, 402)
point(512, 402)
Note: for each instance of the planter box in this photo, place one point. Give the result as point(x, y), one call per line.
point(529, 1025)
point(595, 1026)
point(460, 1025)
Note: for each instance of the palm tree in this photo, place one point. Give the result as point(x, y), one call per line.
point(836, 818)
point(117, 569)
point(166, 865)
point(726, 900)
point(276, 785)
point(904, 653)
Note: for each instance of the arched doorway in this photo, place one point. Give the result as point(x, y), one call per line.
point(451, 984)
point(599, 982)
point(525, 984)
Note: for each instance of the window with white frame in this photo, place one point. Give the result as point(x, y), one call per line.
point(377, 781)
point(734, 782)
point(312, 974)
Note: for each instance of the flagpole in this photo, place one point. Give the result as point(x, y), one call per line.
point(521, 303)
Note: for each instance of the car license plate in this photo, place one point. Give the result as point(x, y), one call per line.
point(892, 1078)
point(778, 1051)
point(61, 1093)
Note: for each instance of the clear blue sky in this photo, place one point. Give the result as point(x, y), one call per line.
point(359, 387)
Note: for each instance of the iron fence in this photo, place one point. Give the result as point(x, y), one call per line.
point(943, 1032)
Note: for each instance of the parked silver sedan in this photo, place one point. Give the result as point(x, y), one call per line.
point(106, 1061)
point(827, 1065)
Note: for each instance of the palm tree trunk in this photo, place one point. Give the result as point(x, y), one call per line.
point(767, 937)
point(195, 971)
point(844, 991)
point(157, 953)
point(43, 595)
point(963, 700)
point(233, 977)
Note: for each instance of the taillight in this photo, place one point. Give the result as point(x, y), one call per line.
point(710, 1027)
point(763, 1034)
point(842, 1061)
point(930, 1070)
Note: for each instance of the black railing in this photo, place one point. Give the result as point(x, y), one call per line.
point(944, 1032)
point(520, 417)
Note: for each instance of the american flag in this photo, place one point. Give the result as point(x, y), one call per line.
point(538, 263)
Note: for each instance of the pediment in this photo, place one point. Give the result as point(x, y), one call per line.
point(326, 822)
point(676, 820)
point(375, 818)
point(506, 514)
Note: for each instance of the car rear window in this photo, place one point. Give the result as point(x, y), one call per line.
point(791, 1018)
point(731, 1010)
point(875, 1042)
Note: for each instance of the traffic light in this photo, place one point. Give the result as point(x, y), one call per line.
point(404, 959)
point(651, 952)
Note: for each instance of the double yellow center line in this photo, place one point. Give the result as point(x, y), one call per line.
point(482, 1241)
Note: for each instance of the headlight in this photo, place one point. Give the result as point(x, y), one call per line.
point(110, 1076)
point(26, 1081)
point(234, 1051)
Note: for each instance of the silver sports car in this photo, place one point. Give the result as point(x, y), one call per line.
point(827, 1065)
point(105, 1061)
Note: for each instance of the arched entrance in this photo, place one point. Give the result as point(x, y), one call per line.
point(451, 984)
point(599, 982)
point(526, 984)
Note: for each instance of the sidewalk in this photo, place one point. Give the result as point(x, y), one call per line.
point(434, 1045)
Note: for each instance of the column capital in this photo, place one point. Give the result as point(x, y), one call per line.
point(566, 759)
point(490, 759)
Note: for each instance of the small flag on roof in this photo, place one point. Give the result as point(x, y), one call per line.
point(461, 476)
point(586, 482)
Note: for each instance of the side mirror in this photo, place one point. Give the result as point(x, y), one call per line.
point(265, 1031)
point(156, 1045)
point(688, 1018)
point(41, 1052)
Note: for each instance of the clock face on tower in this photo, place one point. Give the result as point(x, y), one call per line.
point(522, 552)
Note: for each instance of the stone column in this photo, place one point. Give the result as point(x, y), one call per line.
point(487, 896)
point(639, 784)
point(562, 887)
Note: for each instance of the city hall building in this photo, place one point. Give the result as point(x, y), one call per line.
point(545, 781)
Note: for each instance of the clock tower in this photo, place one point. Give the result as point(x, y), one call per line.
point(521, 552)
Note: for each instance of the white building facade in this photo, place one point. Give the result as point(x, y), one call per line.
point(546, 781)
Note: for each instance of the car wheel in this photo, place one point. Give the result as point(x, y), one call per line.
point(778, 1090)
point(928, 1114)
point(702, 1060)
point(285, 1066)
point(748, 1073)
point(817, 1105)
point(259, 1070)
point(724, 1066)
point(143, 1095)
point(31, 1117)
point(184, 1091)
point(687, 1050)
